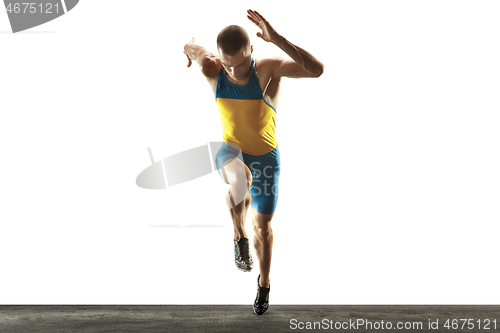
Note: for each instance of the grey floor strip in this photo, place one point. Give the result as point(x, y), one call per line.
point(240, 318)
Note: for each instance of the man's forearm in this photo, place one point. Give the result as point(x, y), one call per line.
point(299, 55)
point(195, 52)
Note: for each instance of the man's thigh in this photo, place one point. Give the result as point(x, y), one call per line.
point(230, 165)
point(234, 170)
point(265, 186)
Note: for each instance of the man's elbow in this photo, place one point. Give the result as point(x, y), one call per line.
point(208, 66)
point(318, 71)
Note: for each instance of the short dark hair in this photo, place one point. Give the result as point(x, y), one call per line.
point(231, 39)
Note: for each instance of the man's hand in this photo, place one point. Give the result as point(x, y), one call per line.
point(268, 33)
point(186, 50)
point(304, 64)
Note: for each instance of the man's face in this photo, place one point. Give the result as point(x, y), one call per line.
point(237, 66)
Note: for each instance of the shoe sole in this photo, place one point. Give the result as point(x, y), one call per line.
point(260, 314)
point(243, 269)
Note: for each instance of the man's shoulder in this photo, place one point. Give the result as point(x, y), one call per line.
point(266, 67)
point(269, 62)
point(210, 66)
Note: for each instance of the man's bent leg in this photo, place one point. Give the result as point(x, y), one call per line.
point(238, 199)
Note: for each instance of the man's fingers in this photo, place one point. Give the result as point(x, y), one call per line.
point(257, 15)
point(257, 19)
point(253, 20)
point(189, 59)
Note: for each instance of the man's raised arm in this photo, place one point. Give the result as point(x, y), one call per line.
point(304, 64)
point(208, 62)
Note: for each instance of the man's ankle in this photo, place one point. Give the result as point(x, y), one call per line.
point(238, 237)
point(264, 283)
point(239, 234)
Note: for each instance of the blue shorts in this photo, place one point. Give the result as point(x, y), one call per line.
point(265, 171)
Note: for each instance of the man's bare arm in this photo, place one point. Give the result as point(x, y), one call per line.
point(304, 64)
point(208, 62)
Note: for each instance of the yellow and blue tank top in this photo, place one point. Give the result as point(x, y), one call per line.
point(248, 120)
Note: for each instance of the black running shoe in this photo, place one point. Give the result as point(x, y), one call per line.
point(261, 303)
point(242, 256)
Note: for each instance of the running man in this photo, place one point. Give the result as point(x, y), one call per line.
point(246, 92)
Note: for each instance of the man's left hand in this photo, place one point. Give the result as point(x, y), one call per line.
point(268, 33)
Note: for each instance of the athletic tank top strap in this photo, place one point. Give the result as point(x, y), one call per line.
point(249, 91)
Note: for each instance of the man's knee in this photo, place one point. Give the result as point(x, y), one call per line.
point(262, 223)
point(243, 178)
point(238, 174)
point(262, 231)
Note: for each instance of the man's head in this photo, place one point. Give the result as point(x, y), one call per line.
point(235, 51)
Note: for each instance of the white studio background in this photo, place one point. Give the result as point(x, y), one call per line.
point(389, 188)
